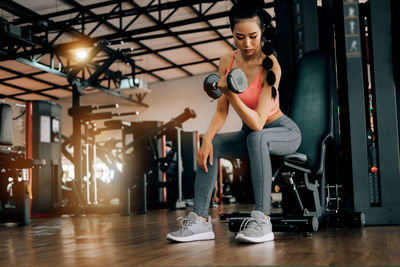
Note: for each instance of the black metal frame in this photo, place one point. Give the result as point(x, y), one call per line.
point(375, 196)
point(44, 31)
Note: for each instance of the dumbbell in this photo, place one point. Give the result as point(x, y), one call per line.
point(237, 83)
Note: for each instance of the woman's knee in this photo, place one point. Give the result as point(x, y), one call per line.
point(254, 140)
point(217, 140)
point(217, 143)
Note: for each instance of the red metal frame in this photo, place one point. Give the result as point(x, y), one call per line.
point(28, 139)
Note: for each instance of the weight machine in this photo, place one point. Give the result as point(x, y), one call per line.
point(146, 143)
point(86, 189)
point(16, 165)
point(362, 180)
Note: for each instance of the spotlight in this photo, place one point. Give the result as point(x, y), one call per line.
point(81, 54)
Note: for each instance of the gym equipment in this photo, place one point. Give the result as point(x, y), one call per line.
point(85, 113)
point(190, 143)
point(84, 186)
point(141, 166)
point(46, 144)
point(15, 191)
point(90, 133)
point(240, 186)
point(365, 52)
point(301, 176)
point(108, 156)
point(147, 143)
point(237, 83)
point(163, 129)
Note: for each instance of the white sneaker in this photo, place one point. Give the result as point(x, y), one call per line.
point(193, 229)
point(256, 229)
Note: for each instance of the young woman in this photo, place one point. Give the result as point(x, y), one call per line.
point(266, 130)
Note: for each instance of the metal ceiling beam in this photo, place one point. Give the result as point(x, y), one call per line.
point(209, 24)
point(126, 12)
point(90, 42)
point(177, 37)
point(28, 91)
point(182, 65)
point(38, 92)
point(266, 5)
point(22, 12)
point(181, 46)
point(41, 66)
point(87, 7)
point(133, 54)
point(11, 97)
point(164, 26)
point(88, 15)
point(49, 69)
point(26, 15)
point(35, 78)
point(22, 75)
point(119, 31)
point(123, 13)
point(79, 34)
point(36, 64)
point(184, 22)
point(66, 87)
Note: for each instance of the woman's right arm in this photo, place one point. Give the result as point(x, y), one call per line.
point(206, 150)
point(218, 120)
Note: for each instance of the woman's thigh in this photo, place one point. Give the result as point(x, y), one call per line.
point(231, 144)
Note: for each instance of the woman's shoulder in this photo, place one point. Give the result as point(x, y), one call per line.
point(225, 61)
point(274, 59)
point(227, 57)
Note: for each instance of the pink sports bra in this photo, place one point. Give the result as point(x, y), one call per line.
point(252, 93)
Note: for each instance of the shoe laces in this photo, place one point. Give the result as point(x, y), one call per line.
point(186, 222)
point(252, 223)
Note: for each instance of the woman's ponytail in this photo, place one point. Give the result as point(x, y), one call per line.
point(268, 49)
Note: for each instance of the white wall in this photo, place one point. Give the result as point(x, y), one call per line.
point(167, 100)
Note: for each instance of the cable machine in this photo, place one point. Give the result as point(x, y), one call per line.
point(365, 164)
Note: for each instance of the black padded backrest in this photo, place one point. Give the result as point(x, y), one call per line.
point(6, 125)
point(311, 103)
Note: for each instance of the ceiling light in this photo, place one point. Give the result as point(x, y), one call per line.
point(81, 54)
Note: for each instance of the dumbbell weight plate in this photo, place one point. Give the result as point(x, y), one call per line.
point(210, 86)
point(237, 81)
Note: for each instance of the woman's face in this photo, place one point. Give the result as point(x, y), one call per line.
point(247, 35)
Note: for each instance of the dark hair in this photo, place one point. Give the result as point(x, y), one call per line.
point(248, 9)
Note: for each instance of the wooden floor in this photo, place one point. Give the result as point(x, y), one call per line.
point(139, 240)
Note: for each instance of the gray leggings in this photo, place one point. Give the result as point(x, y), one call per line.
point(279, 137)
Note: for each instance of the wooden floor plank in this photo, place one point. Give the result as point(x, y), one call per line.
point(139, 240)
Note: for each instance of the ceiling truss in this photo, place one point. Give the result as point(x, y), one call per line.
point(45, 51)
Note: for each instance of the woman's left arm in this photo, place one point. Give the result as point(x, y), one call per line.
point(256, 119)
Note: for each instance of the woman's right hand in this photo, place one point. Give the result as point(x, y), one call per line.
point(205, 152)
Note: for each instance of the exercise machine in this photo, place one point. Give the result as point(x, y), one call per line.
point(85, 190)
point(145, 174)
point(16, 167)
point(301, 176)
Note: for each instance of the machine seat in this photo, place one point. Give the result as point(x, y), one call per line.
point(298, 158)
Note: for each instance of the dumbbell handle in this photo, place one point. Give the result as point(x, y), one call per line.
point(215, 85)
